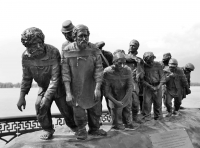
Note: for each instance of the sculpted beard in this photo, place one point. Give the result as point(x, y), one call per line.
point(82, 44)
point(35, 51)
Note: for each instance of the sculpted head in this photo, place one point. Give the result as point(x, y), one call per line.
point(166, 57)
point(119, 59)
point(189, 67)
point(67, 29)
point(173, 63)
point(149, 57)
point(81, 36)
point(133, 47)
point(33, 39)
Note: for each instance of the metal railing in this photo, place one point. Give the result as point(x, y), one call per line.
point(18, 125)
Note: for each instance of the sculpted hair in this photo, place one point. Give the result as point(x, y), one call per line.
point(32, 35)
point(78, 28)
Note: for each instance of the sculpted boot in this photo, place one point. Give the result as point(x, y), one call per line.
point(81, 134)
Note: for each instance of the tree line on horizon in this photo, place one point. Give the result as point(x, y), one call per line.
point(17, 85)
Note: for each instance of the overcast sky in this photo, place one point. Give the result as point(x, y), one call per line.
point(159, 25)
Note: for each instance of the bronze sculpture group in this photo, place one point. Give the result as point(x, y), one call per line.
point(79, 77)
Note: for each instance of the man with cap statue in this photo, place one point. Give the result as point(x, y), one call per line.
point(165, 60)
point(175, 82)
point(187, 69)
point(82, 73)
point(118, 89)
point(152, 92)
point(107, 59)
point(67, 28)
point(136, 65)
point(41, 62)
point(164, 63)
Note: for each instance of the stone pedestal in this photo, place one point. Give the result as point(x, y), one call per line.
point(189, 119)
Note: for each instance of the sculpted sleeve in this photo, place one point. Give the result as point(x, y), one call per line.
point(188, 79)
point(98, 73)
point(26, 80)
point(106, 84)
point(161, 74)
point(129, 81)
point(65, 69)
point(183, 79)
point(55, 76)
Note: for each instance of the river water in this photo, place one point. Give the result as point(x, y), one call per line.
point(10, 96)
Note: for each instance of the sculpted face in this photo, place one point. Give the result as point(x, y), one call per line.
point(120, 63)
point(82, 38)
point(68, 36)
point(172, 68)
point(133, 49)
point(150, 60)
point(187, 70)
point(35, 49)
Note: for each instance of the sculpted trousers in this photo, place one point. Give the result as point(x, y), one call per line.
point(152, 98)
point(91, 115)
point(164, 94)
point(121, 115)
point(177, 102)
point(135, 105)
point(44, 113)
point(141, 102)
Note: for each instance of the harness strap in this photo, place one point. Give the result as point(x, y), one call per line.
point(82, 53)
point(39, 62)
point(111, 77)
point(103, 57)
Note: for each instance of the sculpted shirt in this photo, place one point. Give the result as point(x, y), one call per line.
point(163, 64)
point(45, 71)
point(83, 69)
point(65, 44)
point(136, 65)
point(187, 76)
point(154, 73)
point(118, 84)
point(175, 84)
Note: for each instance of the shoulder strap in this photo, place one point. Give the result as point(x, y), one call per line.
point(111, 77)
point(39, 62)
point(105, 60)
point(81, 53)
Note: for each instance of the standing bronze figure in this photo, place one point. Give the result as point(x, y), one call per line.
point(153, 80)
point(41, 62)
point(137, 66)
point(118, 89)
point(176, 82)
point(82, 75)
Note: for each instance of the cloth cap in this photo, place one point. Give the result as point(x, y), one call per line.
point(173, 62)
point(67, 26)
point(148, 55)
point(100, 44)
point(134, 42)
point(118, 55)
point(190, 66)
point(31, 36)
point(167, 56)
point(80, 27)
